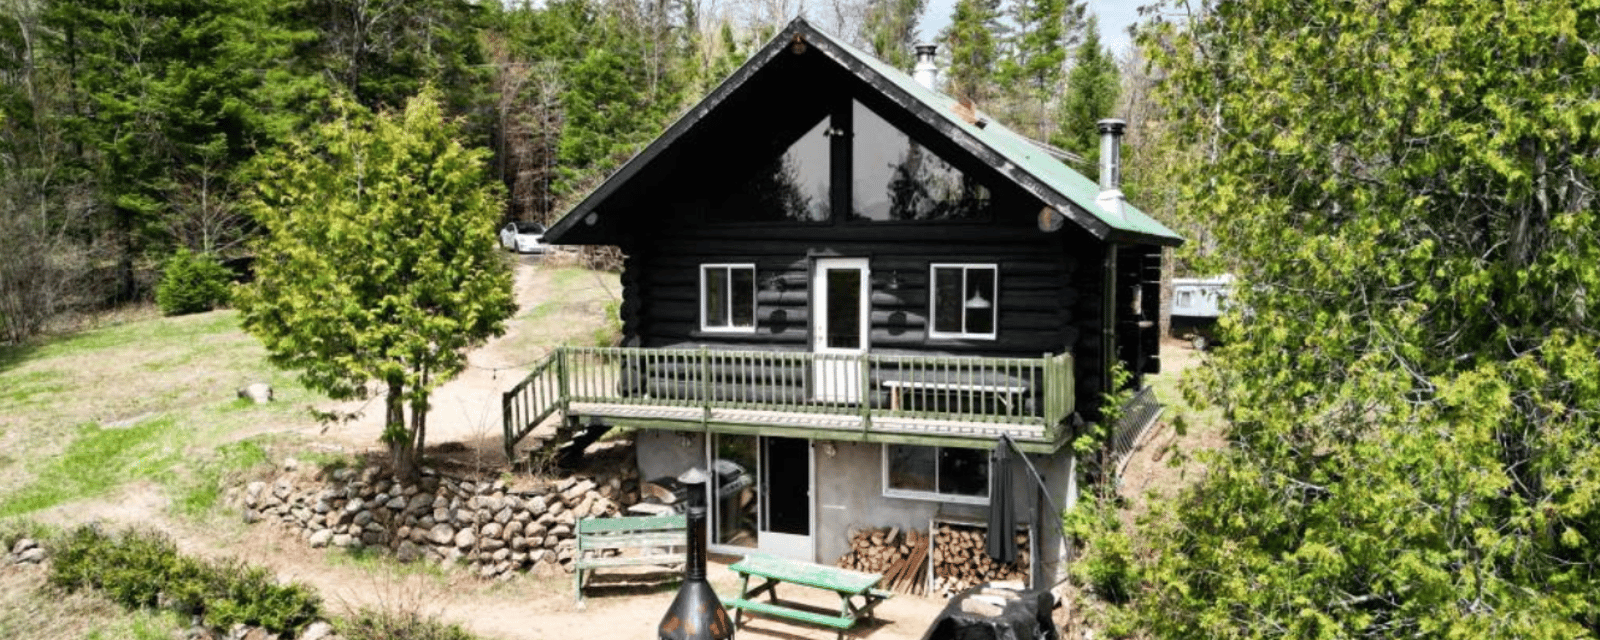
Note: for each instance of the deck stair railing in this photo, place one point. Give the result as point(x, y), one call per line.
point(1138, 415)
point(536, 398)
point(1036, 392)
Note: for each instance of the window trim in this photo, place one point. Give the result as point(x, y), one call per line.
point(933, 291)
point(728, 267)
point(932, 496)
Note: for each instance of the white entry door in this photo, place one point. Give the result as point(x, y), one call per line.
point(841, 304)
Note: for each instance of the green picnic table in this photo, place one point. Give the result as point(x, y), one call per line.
point(849, 585)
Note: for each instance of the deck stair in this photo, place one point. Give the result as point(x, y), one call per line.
point(574, 436)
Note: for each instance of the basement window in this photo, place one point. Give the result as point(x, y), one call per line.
point(962, 301)
point(945, 474)
point(728, 298)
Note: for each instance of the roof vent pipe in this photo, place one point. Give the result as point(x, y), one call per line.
point(1110, 197)
point(926, 73)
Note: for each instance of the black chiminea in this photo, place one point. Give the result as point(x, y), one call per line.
point(697, 613)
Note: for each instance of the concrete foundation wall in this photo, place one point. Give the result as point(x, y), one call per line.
point(668, 453)
point(848, 494)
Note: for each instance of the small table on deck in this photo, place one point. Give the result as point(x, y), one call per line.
point(774, 571)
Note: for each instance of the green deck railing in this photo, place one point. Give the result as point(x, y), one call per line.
point(1012, 391)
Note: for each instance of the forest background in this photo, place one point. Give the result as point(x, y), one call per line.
point(1404, 191)
point(128, 127)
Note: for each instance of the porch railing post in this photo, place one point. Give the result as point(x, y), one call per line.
point(865, 361)
point(705, 389)
point(563, 386)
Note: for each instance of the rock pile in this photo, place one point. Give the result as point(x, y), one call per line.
point(26, 551)
point(319, 630)
point(496, 530)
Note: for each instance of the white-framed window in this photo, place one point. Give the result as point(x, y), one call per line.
point(962, 300)
point(728, 298)
point(944, 474)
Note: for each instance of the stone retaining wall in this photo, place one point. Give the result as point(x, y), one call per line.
point(494, 529)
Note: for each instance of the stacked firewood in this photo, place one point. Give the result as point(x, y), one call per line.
point(902, 559)
point(960, 560)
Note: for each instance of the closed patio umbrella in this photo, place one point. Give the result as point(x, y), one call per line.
point(1002, 514)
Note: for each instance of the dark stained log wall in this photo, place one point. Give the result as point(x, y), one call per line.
point(1037, 298)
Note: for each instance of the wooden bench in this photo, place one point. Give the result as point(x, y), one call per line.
point(657, 540)
point(849, 585)
point(1005, 393)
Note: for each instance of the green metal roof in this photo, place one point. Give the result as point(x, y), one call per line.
point(1027, 157)
point(1014, 156)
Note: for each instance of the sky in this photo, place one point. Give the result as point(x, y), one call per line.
point(1115, 16)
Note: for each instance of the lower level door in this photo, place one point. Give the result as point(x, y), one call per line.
point(840, 314)
point(762, 496)
point(786, 498)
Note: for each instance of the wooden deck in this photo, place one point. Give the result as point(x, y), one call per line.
point(941, 401)
point(874, 427)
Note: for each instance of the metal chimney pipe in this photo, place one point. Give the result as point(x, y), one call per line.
point(1111, 154)
point(1110, 197)
point(697, 613)
point(926, 73)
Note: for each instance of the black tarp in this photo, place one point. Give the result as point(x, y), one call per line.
point(1002, 512)
point(1024, 616)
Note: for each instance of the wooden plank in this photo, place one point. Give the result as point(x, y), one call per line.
point(633, 540)
point(626, 561)
point(808, 574)
point(780, 611)
point(633, 523)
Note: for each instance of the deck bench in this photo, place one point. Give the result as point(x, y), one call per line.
point(655, 540)
point(1007, 394)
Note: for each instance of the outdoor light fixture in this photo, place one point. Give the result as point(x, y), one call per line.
point(894, 280)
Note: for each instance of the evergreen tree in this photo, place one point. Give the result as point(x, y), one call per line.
point(889, 29)
point(382, 52)
point(1091, 94)
point(971, 43)
point(379, 266)
point(1410, 387)
point(1044, 32)
point(164, 108)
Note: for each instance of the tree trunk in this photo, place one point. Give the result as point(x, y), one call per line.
point(402, 456)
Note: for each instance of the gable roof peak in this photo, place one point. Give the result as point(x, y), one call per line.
point(1014, 156)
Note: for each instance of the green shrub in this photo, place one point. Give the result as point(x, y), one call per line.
point(251, 596)
point(130, 569)
point(192, 283)
point(374, 624)
point(609, 333)
point(143, 569)
point(1107, 566)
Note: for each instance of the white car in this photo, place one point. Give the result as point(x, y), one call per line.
point(523, 237)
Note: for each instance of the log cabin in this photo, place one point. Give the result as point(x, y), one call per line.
point(841, 287)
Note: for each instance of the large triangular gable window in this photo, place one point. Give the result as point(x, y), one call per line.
point(893, 178)
point(792, 187)
point(897, 179)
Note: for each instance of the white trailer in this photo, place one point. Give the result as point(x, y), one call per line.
point(1196, 305)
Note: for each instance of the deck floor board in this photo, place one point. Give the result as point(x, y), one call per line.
point(812, 420)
